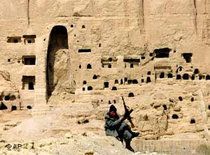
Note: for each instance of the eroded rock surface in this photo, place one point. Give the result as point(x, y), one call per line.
point(65, 61)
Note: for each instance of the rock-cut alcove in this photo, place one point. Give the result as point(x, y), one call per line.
point(57, 57)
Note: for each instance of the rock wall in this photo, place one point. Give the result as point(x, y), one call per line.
point(155, 53)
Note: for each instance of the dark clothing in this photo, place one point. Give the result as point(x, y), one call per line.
point(117, 128)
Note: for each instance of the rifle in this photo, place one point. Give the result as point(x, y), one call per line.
point(129, 112)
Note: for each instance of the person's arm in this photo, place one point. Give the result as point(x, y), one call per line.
point(111, 123)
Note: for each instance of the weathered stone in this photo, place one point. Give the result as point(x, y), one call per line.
point(63, 62)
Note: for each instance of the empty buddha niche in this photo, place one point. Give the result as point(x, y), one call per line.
point(57, 58)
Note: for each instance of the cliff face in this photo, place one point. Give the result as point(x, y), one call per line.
point(120, 26)
point(153, 52)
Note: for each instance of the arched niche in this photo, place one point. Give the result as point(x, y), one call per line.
point(58, 40)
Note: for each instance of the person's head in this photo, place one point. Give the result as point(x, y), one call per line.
point(112, 111)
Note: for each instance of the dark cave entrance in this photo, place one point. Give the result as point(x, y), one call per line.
point(58, 40)
point(3, 106)
point(162, 53)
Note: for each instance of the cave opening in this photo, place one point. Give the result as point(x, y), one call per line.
point(129, 81)
point(148, 80)
point(175, 116)
point(162, 74)
point(131, 66)
point(95, 77)
point(7, 98)
point(89, 66)
point(3, 106)
point(186, 76)
point(29, 107)
point(196, 71)
point(131, 95)
point(135, 81)
point(114, 88)
point(192, 121)
point(170, 75)
point(201, 77)
point(90, 88)
point(180, 98)
point(106, 84)
point(193, 77)
point(207, 77)
point(187, 57)
point(29, 60)
point(31, 86)
point(28, 82)
point(14, 108)
point(162, 53)
point(165, 107)
point(178, 77)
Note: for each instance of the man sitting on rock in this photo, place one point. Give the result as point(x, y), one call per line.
point(115, 126)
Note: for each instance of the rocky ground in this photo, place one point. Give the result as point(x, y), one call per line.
point(65, 126)
point(62, 131)
point(70, 144)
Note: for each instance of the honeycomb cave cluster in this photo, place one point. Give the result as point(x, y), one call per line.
point(154, 53)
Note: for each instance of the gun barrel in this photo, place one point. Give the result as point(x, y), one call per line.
point(129, 111)
point(124, 103)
